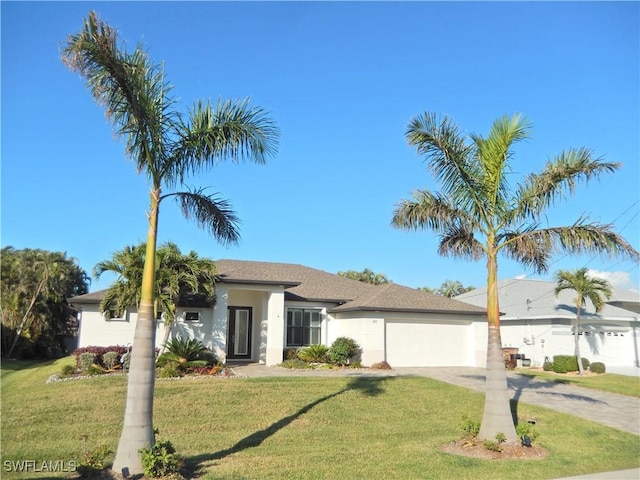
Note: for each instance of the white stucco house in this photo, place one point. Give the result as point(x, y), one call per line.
point(262, 308)
point(541, 325)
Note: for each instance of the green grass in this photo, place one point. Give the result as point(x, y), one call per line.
point(609, 382)
point(294, 427)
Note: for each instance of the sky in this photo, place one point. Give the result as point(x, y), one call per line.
point(342, 80)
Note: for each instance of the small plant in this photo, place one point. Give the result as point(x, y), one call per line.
point(343, 349)
point(86, 360)
point(290, 353)
point(381, 366)
point(501, 437)
point(95, 370)
point(68, 370)
point(470, 429)
point(314, 354)
point(492, 445)
point(111, 360)
point(597, 367)
point(527, 429)
point(187, 348)
point(547, 366)
point(170, 370)
point(92, 460)
point(296, 363)
point(160, 460)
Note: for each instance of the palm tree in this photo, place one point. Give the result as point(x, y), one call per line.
point(168, 147)
point(365, 276)
point(588, 288)
point(176, 274)
point(478, 214)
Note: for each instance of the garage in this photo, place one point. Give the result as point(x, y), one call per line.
point(419, 343)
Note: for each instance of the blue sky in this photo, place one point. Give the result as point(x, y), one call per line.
point(342, 80)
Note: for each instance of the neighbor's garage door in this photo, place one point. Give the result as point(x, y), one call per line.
point(418, 344)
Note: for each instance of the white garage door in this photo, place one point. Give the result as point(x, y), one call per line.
point(418, 344)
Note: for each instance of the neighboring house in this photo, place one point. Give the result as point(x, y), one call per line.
point(540, 324)
point(262, 308)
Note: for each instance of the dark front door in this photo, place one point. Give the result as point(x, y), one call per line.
point(239, 333)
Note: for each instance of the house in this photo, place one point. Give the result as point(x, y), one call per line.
point(541, 325)
point(262, 308)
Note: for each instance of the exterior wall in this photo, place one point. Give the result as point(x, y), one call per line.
point(537, 339)
point(367, 330)
point(96, 330)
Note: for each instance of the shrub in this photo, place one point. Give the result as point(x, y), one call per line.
point(470, 429)
point(290, 353)
point(99, 353)
point(296, 363)
point(314, 353)
point(343, 350)
point(160, 460)
point(86, 360)
point(597, 367)
point(110, 360)
point(501, 437)
point(95, 370)
point(381, 366)
point(92, 460)
point(187, 348)
point(565, 363)
point(170, 370)
point(68, 370)
point(585, 363)
point(492, 445)
point(547, 366)
point(526, 429)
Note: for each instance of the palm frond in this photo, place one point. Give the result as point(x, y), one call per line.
point(540, 190)
point(457, 241)
point(233, 131)
point(210, 213)
point(425, 210)
point(530, 250)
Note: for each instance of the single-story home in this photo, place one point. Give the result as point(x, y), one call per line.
point(262, 308)
point(541, 325)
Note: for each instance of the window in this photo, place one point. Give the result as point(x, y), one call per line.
point(303, 327)
point(113, 315)
point(191, 316)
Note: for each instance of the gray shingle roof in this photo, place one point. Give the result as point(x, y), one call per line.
point(522, 298)
point(310, 284)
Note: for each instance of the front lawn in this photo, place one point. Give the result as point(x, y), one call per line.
point(294, 427)
point(608, 382)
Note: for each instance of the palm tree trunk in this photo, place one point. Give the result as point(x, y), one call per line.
point(577, 339)
point(496, 417)
point(25, 317)
point(137, 430)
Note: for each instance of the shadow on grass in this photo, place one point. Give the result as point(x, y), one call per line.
point(369, 386)
point(10, 364)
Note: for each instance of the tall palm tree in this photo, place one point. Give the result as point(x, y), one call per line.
point(478, 214)
point(168, 147)
point(587, 288)
point(176, 274)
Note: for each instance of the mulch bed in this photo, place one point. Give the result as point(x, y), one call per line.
point(510, 451)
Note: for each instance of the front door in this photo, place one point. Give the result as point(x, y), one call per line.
point(239, 333)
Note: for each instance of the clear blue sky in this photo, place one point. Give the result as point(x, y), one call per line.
point(342, 80)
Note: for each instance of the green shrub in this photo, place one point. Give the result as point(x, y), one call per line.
point(597, 367)
point(501, 437)
point(86, 360)
point(470, 429)
point(314, 353)
point(585, 363)
point(291, 353)
point(68, 370)
point(95, 370)
point(296, 363)
point(160, 460)
point(547, 366)
point(492, 445)
point(170, 370)
point(565, 363)
point(526, 429)
point(111, 360)
point(343, 349)
point(187, 348)
point(93, 461)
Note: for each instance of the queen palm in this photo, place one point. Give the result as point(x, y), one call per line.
point(479, 214)
point(587, 288)
point(176, 274)
point(168, 147)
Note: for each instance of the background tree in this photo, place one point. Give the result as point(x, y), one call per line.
point(478, 215)
point(366, 276)
point(176, 275)
point(168, 147)
point(35, 314)
point(449, 288)
point(587, 288)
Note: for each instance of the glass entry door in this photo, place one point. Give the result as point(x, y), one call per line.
point(239, 333)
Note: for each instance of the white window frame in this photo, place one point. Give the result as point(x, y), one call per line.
point(122, 318)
